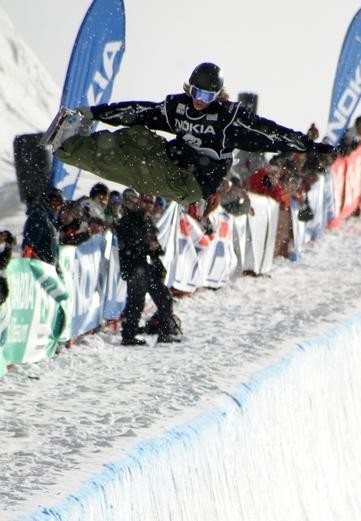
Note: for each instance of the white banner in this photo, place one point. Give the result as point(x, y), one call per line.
point(219, 260)
point(263, 229)
point(181, 237)
point(314, 229)
point(167, 237)
point(304, 232)
point(88, 285)
point(240, 225)
point(116, 288)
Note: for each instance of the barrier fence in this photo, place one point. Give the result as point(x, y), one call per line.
point(43, 309)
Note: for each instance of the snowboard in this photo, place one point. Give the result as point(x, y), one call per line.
point(53, 135)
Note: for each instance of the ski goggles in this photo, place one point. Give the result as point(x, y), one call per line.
point(207, 96)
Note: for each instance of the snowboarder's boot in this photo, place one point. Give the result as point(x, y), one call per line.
point(67, 123)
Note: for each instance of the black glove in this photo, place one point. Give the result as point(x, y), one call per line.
point(4, 290)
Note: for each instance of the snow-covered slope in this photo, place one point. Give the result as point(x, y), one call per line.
point(28, 100)
point(28, 95)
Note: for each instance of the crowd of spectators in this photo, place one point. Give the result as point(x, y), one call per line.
point(283, 177)
point(131, 217)
point(51, 221)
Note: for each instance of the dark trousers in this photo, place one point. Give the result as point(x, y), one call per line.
point(143, 280)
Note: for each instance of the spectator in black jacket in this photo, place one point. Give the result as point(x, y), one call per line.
point(40, 234)
point(207, 128)
point(141, 267)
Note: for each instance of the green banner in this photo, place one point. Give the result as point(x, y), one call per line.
point(4, 323)
point(66, 261)
point(36, 317)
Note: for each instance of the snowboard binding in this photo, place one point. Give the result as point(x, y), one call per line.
point(67, 123)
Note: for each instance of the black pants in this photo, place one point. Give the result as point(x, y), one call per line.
point(143, 280)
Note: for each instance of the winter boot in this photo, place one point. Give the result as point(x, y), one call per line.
point(168, 339)
point(133, 342)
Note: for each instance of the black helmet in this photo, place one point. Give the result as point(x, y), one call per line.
point(207, 76)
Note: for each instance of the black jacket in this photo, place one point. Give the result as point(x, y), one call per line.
point(205, 139)
point(41, 234)
point(5, 257)
point(134, 232)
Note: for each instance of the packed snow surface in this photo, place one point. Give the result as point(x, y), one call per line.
point(63, 418)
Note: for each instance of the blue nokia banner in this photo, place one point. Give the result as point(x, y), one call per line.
point(346, 91)
point(94, 63)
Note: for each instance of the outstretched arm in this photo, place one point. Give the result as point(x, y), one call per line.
point(130, 113)
point(256, 134)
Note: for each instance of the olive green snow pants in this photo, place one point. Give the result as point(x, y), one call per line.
point(134, 157)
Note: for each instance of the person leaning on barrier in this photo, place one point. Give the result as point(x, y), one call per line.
point(278, 179)
point(7, 243)
point(142, 269)
point(40, 233)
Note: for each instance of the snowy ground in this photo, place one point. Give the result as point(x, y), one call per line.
point(63, 418)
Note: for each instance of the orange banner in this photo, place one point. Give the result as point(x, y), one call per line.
point(346, 177)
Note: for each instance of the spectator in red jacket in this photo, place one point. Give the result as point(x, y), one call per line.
point(270, 180)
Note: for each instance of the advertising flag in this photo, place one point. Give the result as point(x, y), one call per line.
point(93, 65)
point(346, 91)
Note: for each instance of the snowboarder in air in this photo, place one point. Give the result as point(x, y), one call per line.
point(207, 128)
